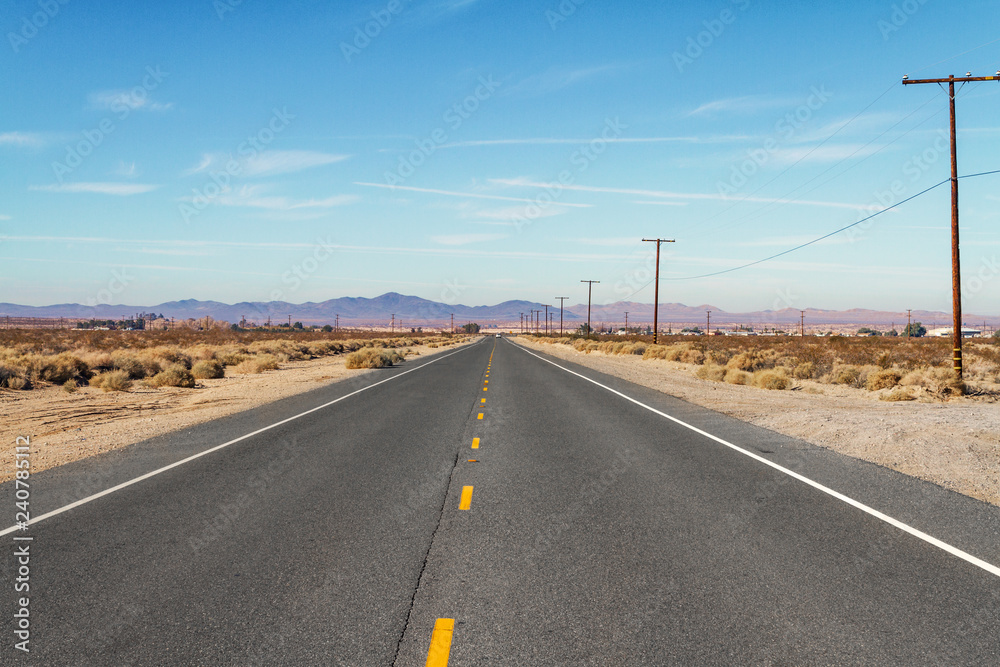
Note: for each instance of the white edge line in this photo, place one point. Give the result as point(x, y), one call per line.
point(944, 546)
point(136, 480)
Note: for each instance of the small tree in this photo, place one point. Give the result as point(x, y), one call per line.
point(297, 325)
point(914, 330)
point(470, 328)
point(327, 328)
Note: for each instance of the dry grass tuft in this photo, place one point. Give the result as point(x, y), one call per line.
point(208, 369)
point(371, 358)
point(711, 372)
point(883, 379)
point(112, 381)
point(735, 376)
point(176, 375)
point(774, 379)
point(898, 394)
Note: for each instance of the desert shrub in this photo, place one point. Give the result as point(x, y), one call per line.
point(172, 355)
point(849, 375)
point(735, 376)
point(752, 360)
point(369, 358)
point(18, 382)
point(64, 366)
point(898, 394)
point(177, 375)
point(432, 345)
point(654, 352)
point(208, 369)
point(257, 364)
point(771, 379)
point(711, 372)
point(886, 378)
point(692, 356)
point(70, 386)
point(720, 357)
point(112, 381)
point(636, 348)
point(135, 368)
point(805, 370)
point(231, 357)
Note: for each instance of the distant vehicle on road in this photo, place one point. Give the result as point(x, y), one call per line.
point(498, 335)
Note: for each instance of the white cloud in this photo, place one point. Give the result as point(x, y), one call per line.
point(660, 203)
point(518, 182)
point(267, 163)
point(28, 139)
point(556, 78)
point(4, 217)
point(515, 213)
point(452, 193)
point(116, 100)
point(119, 189)
point(465, 239)
point(827, 153)
point(610, 241)
point(745, 104)
point(254, 196)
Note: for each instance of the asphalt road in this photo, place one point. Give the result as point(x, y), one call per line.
point(598, 532)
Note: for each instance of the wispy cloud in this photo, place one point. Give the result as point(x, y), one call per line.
point(4, 217)
point(827, 153)
point(116, 100)
point(517, 182)
point(746, 104)
point(466, 239)
point(267, 163)
point(127, 169)
point(27, 139)
point(556, 78)
point(255, 196)
point(119, 189)
point(659, 203)
point(609, 241)
point(515, 213)
point(545, 141)
point(452, 193)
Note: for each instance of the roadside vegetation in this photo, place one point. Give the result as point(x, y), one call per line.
point(117, 360)
point(895, 368)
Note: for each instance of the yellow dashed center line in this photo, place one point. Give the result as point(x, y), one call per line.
point(480, 416)
point(475, 443)
point(482, 400)
point(440, 649)
point(485, 388)
point(466, 501)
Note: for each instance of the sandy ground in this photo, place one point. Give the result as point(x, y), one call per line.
point(67, 427)
point(954, 444)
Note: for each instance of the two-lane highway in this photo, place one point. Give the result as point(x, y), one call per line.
point(489, 506)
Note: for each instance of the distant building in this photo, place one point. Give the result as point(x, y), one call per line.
point(946, 332)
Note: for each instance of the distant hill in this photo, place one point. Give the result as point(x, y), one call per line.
point(414, 310)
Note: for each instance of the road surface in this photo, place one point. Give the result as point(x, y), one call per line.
point(533, 511)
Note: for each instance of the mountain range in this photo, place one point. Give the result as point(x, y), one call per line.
point(414, 310)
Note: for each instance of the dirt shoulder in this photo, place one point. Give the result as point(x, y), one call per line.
point(954, 444)
point(67, 427)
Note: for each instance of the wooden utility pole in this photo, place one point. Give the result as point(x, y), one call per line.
point(453, 322)
point(907, 322)
point(392, 324)
point(546, 319)
point(590, 287)
point(626, 322)
point(562, 302)
point(656, 290)
point(708, 323)
point(956, 274)
point(522, 322)
point(802, 323)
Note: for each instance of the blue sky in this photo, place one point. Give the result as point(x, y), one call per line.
point(472, 151)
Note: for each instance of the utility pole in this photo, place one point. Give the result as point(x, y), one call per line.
point(708, 324)
point(546, 320)
point(590, 287)
point(956, 275)
point(522, 322)
point(453, 322)
point(336, 326)
point(802, 323)
point(626, 322)
point(907, 323)
point(656, 290)
point(562, 302)
point(392, 324)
